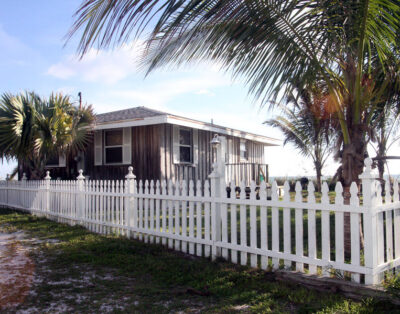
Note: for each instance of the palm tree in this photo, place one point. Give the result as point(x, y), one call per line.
point(387, 117)
point(386, 136)
point(308, 126)
point(270, 43)
point(33, 130)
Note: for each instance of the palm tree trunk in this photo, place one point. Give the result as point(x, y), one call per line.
point(318, 170)
point(381, 168)
point(352, 166)
point(381, 153)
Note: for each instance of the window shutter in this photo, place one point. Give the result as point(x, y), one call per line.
point(62, 161)
point(195, 146)
point(98, 148)
point(127, 145)
point(175, 144)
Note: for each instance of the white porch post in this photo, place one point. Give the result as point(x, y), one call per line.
point(370, 222)
point(222, 165)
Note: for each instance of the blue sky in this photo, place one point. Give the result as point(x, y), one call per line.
point(33, 57)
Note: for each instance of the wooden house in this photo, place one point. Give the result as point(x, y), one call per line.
point(163, 146)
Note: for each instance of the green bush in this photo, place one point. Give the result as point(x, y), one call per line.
point(392, 284)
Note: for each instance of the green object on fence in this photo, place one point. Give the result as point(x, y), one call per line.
point(261, 178)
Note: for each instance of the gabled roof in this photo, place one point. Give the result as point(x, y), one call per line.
point(145, 116)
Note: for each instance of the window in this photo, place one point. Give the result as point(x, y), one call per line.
point(56, 161)
point(243, 150)
point(113, 146)
point(185, 146)
point(53, 161)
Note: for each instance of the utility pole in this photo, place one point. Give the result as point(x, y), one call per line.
point(80, 100)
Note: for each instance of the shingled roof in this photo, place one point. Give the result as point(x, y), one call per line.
point(146, 116)
point(128, 114)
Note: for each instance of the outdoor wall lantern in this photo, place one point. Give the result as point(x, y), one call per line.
point(215, 141)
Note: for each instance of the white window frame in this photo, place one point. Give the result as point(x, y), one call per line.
point(113, 146)
point(245, 152)
point(191, 162)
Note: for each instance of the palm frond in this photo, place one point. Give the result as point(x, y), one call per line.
point(32, 129)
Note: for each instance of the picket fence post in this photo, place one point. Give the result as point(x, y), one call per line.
point(7, 188)
point(47, 179)
point(129, 205)
point(217, 178)
point(215, 212)
point(24, 192)
point(370, 222)
point(81, 197)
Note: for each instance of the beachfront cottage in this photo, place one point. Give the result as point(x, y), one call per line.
point(160, 145)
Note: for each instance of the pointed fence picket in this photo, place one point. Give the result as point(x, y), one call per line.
point(298, 226)
point(263, 225)
point(176, 214)
point(233, 226)
point(287, 232)
point(199, 219)
point(294, 232)
point(243, 225)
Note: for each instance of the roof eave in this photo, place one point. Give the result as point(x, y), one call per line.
point(177, 120)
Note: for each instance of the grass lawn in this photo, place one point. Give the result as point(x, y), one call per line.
point(86, 272)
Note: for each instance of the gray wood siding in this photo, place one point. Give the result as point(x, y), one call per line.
point(145, 157)
point(152, 157)
point(177, 172)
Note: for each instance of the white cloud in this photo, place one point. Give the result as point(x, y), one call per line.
point(99, 66)
point(159, 94)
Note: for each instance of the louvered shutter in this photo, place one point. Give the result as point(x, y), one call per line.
point(98, 148)
point(175, 144)
point(62, 161)
point(127, 146)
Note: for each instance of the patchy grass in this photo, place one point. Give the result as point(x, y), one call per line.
point(392, 284)
point(87, 272)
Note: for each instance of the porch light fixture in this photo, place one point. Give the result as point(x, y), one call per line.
point(215, 141)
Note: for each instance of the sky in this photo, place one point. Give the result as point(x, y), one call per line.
point(34, 57)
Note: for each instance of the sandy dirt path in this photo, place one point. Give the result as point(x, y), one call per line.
point(16, 270)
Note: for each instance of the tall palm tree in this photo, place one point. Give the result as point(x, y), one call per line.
point(308, 125)
point(268, 42)
point(33, 130)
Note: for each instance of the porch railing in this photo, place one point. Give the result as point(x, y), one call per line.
point(246, 172)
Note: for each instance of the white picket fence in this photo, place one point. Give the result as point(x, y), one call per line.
point(199, 218)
